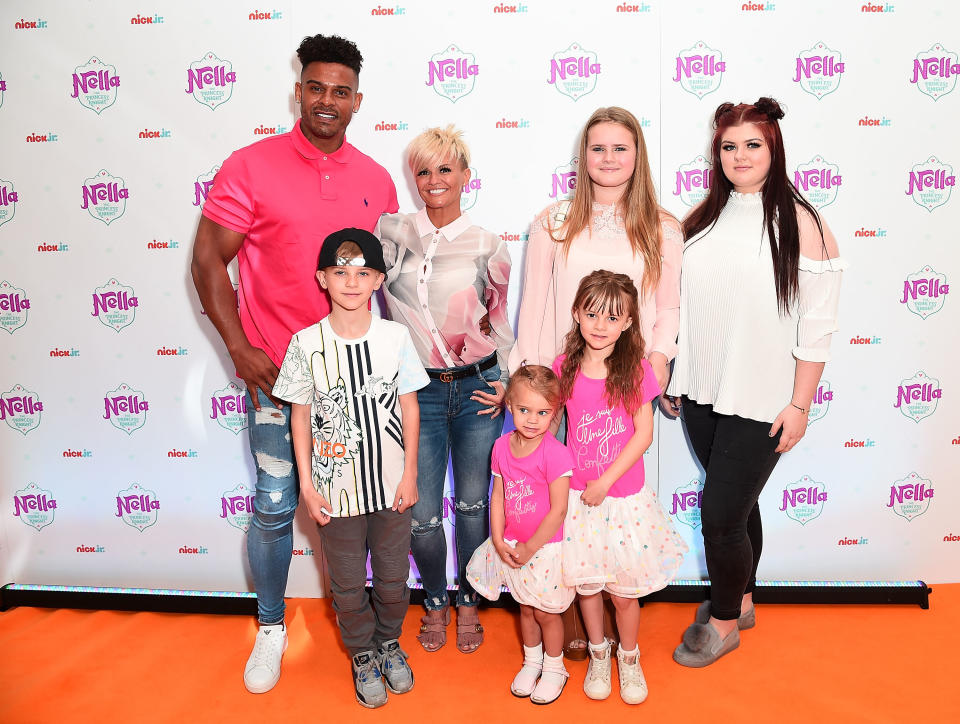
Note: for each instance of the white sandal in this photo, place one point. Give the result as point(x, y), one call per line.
point(552, 680)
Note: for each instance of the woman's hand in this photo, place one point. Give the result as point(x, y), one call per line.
point(670, 404)
point(794, 424)
point(495, 400)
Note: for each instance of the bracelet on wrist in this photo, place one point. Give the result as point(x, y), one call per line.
point(802, 409)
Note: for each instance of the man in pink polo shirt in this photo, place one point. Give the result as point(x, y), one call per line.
point(272, 204)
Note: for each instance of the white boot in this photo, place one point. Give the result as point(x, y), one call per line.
point(597, 683)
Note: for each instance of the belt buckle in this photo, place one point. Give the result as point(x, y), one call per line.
point(446, 376)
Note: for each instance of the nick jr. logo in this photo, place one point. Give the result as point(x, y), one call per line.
point(95, 85)
point(115, 305)
point(137, 507)
point(210, 80)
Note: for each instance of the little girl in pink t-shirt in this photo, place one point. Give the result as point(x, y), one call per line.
point(616, 536)
point(531, 481)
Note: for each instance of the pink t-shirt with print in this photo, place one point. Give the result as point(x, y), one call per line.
point(597, 433)
point(526, 484)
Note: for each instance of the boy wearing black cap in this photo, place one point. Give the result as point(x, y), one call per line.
point(352, 380)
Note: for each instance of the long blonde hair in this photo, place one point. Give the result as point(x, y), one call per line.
point(637, 206)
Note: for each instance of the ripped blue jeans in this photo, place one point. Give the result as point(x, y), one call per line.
point(270, 537)
point(450, 428)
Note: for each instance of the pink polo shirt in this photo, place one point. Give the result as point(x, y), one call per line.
point(287, 196)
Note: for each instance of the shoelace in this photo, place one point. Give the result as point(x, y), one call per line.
point(595, 668)
point(265, 649)
point(630, 673)
point(366, 672)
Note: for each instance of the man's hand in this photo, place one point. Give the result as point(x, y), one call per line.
point(258, 372)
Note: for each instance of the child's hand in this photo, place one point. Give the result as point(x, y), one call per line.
point(318, 506)
point(407, 494)
point(594, 493)
point(506, 553)
point(523, 553)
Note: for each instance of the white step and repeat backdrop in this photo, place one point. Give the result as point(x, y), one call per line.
point(124, 456)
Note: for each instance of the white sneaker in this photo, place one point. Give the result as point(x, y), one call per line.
point(633, 685)
point(263, 667)
point(597, 683)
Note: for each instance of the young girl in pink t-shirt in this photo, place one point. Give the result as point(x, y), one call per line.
point(616, 536)
point(531, 480)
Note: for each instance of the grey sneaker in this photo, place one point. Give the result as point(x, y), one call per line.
point(367, 681)
point(702, 645)
point(394, 667)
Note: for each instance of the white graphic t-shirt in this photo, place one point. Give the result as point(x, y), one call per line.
point(353, 386)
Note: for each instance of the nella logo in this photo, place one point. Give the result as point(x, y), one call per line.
point(820, 403)
point(137, 507)
point(924, 292)
point(201, 187)
point(471, 191)
point(236, 506)
point(8, 201)
point(104, 196)
point(564, 181)
point(34, 506)
point(819, 70)
point(935, 71)
point(693, 181)
point(21, 409)
point(819, 181)
point(14, 306)
point(210, 81)
point(911, 496)
point(687, 502)
point(125, 408)
point(574, 71)
point(95, 85)
point(803, 500)
point(930, 183)
point(452, 73)
point(3, 89)
point(917, 396)
point(115, 305)
point(229, 408)
point(700, 69)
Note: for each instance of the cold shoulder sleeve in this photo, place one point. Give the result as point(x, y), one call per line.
point(820, 274)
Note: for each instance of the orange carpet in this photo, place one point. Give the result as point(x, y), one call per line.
point(813, 663)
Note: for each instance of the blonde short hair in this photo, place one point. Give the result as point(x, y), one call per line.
point(436, 145)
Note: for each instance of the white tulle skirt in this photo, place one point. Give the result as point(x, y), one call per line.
point(625, 546)
point(537, 583)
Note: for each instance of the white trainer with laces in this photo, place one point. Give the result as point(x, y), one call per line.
point(263, 667)
point(597, 683)
point(633, 685)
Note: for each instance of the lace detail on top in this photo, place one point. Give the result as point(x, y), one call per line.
point(607, 221)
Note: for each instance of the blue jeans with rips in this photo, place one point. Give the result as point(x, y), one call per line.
point(270, 537)
point(451, 428)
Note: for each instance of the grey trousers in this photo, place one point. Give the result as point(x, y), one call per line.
point(346, 542)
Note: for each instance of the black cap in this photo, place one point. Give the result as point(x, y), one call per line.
point(369, 244)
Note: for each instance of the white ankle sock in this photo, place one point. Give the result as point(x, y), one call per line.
point(533, 653)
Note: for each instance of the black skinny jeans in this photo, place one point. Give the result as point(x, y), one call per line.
point(738, 456)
